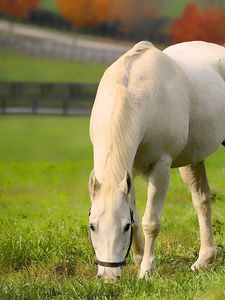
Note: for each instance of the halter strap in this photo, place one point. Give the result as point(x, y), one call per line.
point(114, 264)
point(110, 264)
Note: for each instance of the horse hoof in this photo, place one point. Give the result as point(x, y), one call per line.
point(206, 258)
point(196, 267)
point(145, 275)
point(147, 268)
point(200, 264)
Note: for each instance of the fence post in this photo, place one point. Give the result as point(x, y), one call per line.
point(65, 106)
point(34, 106)
point(3, 106)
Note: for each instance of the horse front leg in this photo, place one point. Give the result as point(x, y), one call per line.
point(158, 182)
point(137, 240)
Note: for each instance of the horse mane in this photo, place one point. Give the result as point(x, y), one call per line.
point(124, 121)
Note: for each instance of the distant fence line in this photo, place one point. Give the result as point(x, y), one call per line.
point(58, 50)
point(46, 98)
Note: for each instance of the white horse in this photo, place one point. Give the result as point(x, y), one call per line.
point(153, 110)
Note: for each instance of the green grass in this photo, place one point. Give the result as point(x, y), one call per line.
point(44, 251)
point(19, 67)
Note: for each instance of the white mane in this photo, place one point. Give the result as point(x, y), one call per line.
point(123, 123)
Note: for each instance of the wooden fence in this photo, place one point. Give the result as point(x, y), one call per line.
point(68, 49)
point(46, 98)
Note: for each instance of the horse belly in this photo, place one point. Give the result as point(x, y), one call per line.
point(203, 64)
point(206, 129)
point(187, 139)
point(165, 140)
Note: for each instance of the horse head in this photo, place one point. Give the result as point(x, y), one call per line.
point(110, 224)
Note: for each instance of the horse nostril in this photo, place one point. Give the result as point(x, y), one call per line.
point(118, 277)
point(98, 276)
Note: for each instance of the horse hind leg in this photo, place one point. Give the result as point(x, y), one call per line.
point(195, 177)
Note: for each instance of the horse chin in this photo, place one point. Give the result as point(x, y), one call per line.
point(108, 274)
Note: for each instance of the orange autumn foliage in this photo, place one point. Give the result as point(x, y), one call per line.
point(84, 13)
point(195, 24)
point(87, 13)
point(18, 8)
point(129, 11)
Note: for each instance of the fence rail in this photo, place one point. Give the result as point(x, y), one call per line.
point(46, 98)
point(68, 49)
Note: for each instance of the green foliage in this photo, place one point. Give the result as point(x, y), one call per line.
point(19, 67)
point(167, 8)
point(44, 251)
point(174, 8)
point(48, 5)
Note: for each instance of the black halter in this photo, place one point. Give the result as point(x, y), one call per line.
point(115, 264)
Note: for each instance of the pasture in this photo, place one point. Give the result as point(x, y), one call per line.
point(22, 67)
point(44, 251)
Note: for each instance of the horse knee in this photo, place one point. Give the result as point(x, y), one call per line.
point(151, 228)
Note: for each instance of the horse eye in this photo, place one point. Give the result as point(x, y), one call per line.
point(91, 226)
point(127, 227)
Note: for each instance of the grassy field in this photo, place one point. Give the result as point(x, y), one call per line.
point(44, 251)
point(19, 67)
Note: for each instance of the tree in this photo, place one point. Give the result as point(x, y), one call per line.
point(195, 24)
point(128, 12)
point(213, 3)
point(214, 24)
point(90, 13)
point(84, 13)
point(18, 8)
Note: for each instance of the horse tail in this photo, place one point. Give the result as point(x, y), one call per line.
point(139, 48)
point(129, 57)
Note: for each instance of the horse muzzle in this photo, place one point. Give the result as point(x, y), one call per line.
point(109, 274)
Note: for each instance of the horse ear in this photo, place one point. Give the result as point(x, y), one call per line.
point(126, 183)
point(94, 185)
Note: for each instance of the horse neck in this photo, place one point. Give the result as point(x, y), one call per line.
point(122, 139)
point(118, 161)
